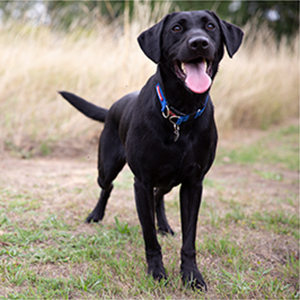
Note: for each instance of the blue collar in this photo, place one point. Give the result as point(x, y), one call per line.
point(176, 119)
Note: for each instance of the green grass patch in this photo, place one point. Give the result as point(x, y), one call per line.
point(279, 147)
point(51, 259)
point(279, 222)
point(269, 175)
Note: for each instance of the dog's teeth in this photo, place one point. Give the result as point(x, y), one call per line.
point(206, 65)
point(183, 68)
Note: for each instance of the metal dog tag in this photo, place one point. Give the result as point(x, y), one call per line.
point(176, 132)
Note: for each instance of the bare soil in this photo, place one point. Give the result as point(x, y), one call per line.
point(67, 178)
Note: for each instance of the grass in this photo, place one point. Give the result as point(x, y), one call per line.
point(103, 62)
point(280, 147)
point(247, 240)
point(48, 260)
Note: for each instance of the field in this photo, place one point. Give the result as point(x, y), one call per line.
point(247, 240)
point(248, 228)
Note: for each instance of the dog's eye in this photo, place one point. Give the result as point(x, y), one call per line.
point(176, 28)
point(210, 26)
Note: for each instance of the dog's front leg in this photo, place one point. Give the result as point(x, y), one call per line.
point(190, 199)
point(145, 208)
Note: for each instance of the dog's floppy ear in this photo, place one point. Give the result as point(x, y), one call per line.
point(232, 35)
point(150, 40)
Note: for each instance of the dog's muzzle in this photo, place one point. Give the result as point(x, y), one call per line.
point(195, 67)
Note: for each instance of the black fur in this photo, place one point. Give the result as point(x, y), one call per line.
point(136, 132)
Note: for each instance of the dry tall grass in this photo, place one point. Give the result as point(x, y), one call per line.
point(258, 87)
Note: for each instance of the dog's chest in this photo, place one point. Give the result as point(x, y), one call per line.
point(174, 171)
point(169, 165)
point(157, 159)
point(177, 166)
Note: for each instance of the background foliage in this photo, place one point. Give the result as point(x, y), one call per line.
point(80, 46)
point(281, 16)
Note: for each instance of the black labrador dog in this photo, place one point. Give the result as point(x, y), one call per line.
point(166, 132)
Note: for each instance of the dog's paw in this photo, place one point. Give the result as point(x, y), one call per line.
point(165, 230)
point(191, 277)
point(157, 270)
point(93, 217)
point(158, 273)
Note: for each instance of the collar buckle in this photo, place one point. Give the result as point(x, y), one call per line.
point(174, 120)
point(166, 112)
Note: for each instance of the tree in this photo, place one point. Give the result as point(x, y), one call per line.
point(281, 16)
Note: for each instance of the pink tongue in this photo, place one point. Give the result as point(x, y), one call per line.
point(197, 80)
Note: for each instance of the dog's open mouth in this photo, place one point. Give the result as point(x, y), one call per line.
point(195, 73)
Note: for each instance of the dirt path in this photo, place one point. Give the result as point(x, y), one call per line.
point(71, 183)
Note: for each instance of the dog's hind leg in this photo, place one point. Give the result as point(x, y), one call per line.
point(98, 212)
point(111, 160)
point(162, 222)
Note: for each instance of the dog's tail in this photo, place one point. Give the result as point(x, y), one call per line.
point(89, 109)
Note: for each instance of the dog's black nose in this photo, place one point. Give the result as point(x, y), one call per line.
point(198, 43)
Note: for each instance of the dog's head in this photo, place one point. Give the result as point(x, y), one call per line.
point(191, 44)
